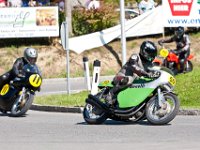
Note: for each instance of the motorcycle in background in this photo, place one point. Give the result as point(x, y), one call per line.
point(16, 96)
point(146, 98)
point(169, 59)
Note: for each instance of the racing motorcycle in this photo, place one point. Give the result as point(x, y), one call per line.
point(171, 60)
point(16, 96)
point(146, 98)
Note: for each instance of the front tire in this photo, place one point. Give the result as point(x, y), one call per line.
point(93, 115)
point(156, 117)
point(18, 109)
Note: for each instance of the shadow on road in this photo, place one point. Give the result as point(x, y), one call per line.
point(113, 122)
point(8, 115)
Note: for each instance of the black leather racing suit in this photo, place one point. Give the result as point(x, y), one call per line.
point(135, 67)
point(17, 70)
point(182, 48)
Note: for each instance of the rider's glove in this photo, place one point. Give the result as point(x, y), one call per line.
point(154, 74)
point(21, 74)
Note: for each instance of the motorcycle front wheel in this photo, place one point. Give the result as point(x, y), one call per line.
point(165, 114)
point(93, 115)
point(19, 108)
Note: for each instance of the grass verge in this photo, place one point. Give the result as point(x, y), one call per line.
point(188, 89)
point(72, 100)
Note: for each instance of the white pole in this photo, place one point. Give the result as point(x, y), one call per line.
point(87, 73)
point(95, 78)
point(67, 51)
point(123, 36)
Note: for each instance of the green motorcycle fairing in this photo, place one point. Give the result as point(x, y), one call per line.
point(134, 95)
point(131, 97)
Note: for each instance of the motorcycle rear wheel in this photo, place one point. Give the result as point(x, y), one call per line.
point(172, 104)
point(190, 66)
point(93, 115)
point(17, 110)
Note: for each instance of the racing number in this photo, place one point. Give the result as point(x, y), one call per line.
point(35, 80)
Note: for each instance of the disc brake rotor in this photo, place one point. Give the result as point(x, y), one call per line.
point(165, 109)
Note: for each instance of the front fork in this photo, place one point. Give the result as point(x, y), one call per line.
point(22, 93)
point(161, 98)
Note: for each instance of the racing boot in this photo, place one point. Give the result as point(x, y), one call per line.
point(110, 98)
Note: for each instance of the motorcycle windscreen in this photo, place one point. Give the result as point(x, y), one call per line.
point(133, 96)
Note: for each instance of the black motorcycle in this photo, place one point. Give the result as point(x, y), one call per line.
point(16, 96)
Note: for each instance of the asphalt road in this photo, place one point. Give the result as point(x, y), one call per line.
point(59, 85)
point(65, 131)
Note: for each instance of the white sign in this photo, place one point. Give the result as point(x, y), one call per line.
point(181, 13)
point(29, 22)
point(64, 35)
point(148, 23)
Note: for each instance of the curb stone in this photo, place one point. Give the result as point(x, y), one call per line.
point(193, 112)
point(56, 108)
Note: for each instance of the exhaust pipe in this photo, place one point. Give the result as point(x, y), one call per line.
point(95, 101)
point(121, 113)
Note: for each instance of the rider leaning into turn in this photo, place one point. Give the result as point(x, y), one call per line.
point(137, 65)
point(182, 45)
point(30, 56)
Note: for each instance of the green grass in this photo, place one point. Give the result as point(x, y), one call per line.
point(187, 88)
point(72, 100)
point(195, 35)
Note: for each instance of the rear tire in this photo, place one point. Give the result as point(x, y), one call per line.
point(93, 115)
point(190, 66)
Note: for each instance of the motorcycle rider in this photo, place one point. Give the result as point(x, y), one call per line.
point(182, 45)
point(136, 66)
point(30, 56)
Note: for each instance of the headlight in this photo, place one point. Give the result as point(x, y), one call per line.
point(35, 80)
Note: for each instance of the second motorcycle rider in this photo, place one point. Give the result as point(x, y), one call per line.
point(182, 45)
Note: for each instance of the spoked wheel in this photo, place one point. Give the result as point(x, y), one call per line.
point(93, 115)
point(166, 113)
point(20, 107)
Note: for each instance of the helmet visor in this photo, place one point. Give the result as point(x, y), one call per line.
point(178, 33)
point(32, 60)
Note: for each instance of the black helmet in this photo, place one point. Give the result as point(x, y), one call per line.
point(148, 50)
point(179, 32)
point(30, 54)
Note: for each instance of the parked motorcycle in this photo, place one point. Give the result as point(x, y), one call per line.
point(16, 96)
point(171, 60)
point(146, 98)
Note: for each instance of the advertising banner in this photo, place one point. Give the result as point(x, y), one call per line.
point(148, 23)
point(181, 13)
point(29, 22)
